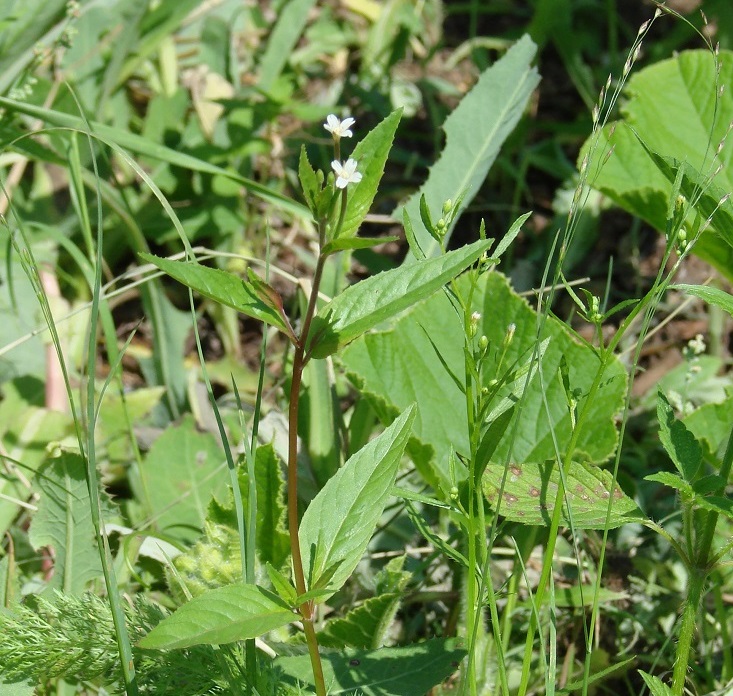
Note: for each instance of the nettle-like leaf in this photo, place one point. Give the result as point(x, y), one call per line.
point(63, 521)
point(224, 615)
point(400, 366)
point(215, 559)
point(228, 289)
point(474, 133)
point(380, 297)
point(677, 440)
point(367, 625)
point(530, 492)
point(405, 671)
point(640, 177)
point(179, 476)
point(29, 428)
point(371, 156)
point(340, 520)
point(710, 424)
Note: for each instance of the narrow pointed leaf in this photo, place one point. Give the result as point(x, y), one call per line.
point(415, 248)
point(596, 676)
point(220, 286)
point(711, 295)
point(376, 299)
point(530, 490)
point(308, 180)
point(343, 243)
point(370, 155)
point(656, 686)
point(511, 235)
point(339, 522)
point(219, 616)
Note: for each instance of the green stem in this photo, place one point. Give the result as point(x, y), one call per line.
point(307, 609)
point(695, 591)
point(555, 525)
point(696, 587)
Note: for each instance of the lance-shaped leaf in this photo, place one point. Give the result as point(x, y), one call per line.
point(223, 615)
point(343, 243)
point(530, 490)
point(226, 288)
point(376, 299)
point(474, 133)
point(308, 180)
point(707, 293)
point(336, 527)
point(370, 155)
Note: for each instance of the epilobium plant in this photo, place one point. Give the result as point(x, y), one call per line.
point(330, 539)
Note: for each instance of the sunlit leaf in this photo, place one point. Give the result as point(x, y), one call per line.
point(224, 615)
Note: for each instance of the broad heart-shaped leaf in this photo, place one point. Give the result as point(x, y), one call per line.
point(406, 671)
point(339, 522)
point(474, 133)
point(677, 440)
point(181, 472)
point(372, 301)
point(530, 490)
point(370, 155)
point(64, 521)
point(685, 87)
point(397, 367)
point(224, 615)
point(223, 287)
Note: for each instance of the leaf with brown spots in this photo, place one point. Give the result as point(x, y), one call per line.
point(530, 489)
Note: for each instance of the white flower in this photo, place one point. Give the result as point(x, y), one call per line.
point(346, 173)
point(339, 128)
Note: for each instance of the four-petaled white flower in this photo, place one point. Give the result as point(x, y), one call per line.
point(337, 127)
point(345, 173)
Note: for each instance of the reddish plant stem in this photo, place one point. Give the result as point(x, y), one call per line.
point(299, 362)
